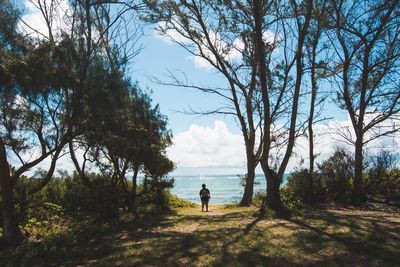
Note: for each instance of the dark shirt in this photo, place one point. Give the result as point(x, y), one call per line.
point(204, 194)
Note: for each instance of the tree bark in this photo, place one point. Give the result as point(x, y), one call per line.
point(273, 198)
point(249, 186)
point(309, 193)
point(134, 187)
point(311, 115)
point(358, 194)
point(11, 233)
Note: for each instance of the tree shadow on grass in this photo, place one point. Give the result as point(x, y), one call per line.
point(77, 246)
point(362, 240)
point(234, 238)
point(164, 244)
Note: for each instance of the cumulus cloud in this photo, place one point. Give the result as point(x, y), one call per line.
point(208, 147)
point(217, 150)
point(217, 147)
point(328, 137)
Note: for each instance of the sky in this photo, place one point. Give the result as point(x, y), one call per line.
point(208, 144)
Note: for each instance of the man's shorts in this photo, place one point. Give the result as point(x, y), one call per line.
point(204, 200)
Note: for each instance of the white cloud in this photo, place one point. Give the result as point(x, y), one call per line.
point(231, 54)
point(216, 150)
point(328, 138)
point(208, 147)
point(231, 50)
point(201, 63)
point(217, 147)
point(33, 19)
point(168, 36)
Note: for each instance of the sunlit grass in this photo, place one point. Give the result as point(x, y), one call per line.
point(235, 236)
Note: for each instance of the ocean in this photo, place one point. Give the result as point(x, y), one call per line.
point(224, 189)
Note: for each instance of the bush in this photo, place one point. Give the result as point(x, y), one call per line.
point(103, 200)
point(259, 198)
point(176, 202)
point(331, 182)
point(43, 221)
point(337, 176)
point(290, 199)
point(383, 184)
point(303, 188)
point(153, 191)
point(382, 178)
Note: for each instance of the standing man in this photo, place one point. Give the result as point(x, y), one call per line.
point(205, 197)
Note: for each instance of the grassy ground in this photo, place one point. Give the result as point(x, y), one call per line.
point(231, 236)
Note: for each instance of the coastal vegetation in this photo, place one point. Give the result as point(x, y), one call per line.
point(68, 93)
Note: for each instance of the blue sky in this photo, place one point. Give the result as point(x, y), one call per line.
point(203, 145)
point(157, 58)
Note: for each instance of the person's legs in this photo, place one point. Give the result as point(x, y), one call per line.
point(202, 206)
point(206, 206)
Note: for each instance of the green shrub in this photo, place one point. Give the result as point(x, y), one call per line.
point(103, 200)
point(303, 187)
point(337, 176)
point(331, 182)
point(291, 200)
point(154, 191)
point(382, 183)
point(382, 178)
point(259, 198)
point(43, 221)
point(176, 202)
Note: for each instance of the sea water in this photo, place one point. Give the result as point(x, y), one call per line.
point(224, 189)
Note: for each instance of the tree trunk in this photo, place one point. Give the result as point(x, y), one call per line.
point(11, 233)
point(311, 120)
point(309, 194)
point(309, 188)
point(358, 192)
point(134, 188)
point(273, 194)
point(273, 199)
point(314, 91)
point(249, 185)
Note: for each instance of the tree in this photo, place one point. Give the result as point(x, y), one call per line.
point(45, 82)
point(128, 135)
point(316, 57)
point(280, 92)
point(317, 54)
point(115, 119)
point(33, 119)
point(366, 38)
point(152, 140)
point(259, 87)
point(220, 33)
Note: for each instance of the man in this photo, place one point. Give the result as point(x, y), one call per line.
point(205, 197)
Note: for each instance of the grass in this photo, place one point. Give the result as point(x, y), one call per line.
point(229, 236)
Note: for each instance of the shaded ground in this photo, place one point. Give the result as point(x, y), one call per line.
point(231, 236)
